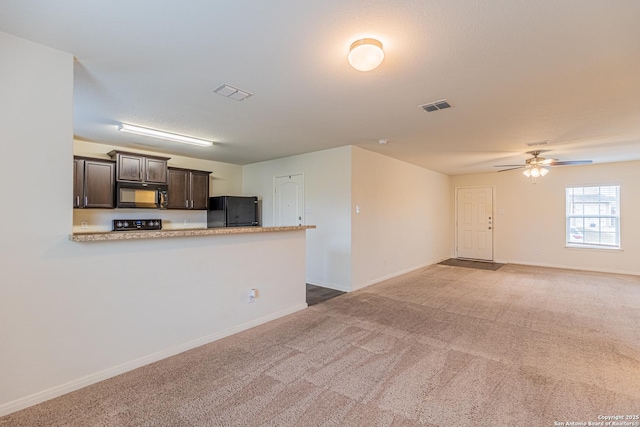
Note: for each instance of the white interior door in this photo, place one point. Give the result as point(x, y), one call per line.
point(474, 222)
point(288, 206)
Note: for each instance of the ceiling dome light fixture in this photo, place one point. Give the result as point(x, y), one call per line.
point(366, 54)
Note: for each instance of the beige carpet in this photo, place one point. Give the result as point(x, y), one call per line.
point(442, 346)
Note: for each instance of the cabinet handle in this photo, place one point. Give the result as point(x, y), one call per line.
point(78, 200)
point(192, 204)
point(186, 204)
point(86, 200)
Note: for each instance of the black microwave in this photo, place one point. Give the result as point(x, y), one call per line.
point(152, 196)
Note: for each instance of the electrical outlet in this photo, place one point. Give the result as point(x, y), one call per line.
point(84, 224)
point(252, 295)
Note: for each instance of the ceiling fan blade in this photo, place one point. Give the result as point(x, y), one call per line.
point(510, 169)
point(509, 166)
point(571, 162)
point(548, 161)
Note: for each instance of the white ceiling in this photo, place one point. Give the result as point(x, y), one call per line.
point(515, 72)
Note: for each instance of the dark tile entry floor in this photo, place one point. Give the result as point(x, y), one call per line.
point(471, 264)
point(316, 294)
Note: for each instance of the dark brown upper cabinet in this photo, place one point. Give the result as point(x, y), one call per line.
point(93, 183)
point(132, 167)
point(188, 189)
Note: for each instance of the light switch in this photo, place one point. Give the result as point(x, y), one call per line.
point(357, 209)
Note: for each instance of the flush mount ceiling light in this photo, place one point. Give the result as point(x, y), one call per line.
point(138, 130)
point(365, 54)
point(232, 92)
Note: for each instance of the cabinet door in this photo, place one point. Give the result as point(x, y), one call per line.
point(99, 188)
point(130, 168)
point(156, 171)
point(78, 183)
point(199, 190)
point(178, 189)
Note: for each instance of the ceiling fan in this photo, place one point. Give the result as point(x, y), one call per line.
point(539, 166)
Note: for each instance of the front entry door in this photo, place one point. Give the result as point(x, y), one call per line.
point(474, 219)
point(288, 200)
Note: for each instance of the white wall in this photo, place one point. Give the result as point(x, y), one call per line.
point(75, 313)
point(225, 179)
point(404, 221)
point(529, 225)
point(327, 175)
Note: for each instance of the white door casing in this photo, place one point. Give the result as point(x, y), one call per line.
point(474, 223)
point(288, 205)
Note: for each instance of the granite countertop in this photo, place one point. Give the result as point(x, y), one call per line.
point(159, 234)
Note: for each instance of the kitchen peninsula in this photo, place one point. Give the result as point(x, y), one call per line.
point(76, 313)
point(135, 235)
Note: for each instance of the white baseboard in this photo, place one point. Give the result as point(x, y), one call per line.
point(571, 267)
point(394, 274)
point(59, 390)
point(347, 288)
point(330, 285)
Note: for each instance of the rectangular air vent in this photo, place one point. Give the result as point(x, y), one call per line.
point(537, 144)
point(232, 92)
point(435, 106)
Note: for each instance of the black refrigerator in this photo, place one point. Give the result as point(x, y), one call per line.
point(232, 211)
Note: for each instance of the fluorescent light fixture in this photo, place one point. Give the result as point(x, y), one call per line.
point(138, 130)
point(365, 54)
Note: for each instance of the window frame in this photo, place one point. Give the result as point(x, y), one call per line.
point(600, 218)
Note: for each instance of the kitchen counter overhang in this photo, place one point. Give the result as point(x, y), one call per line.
point(192, 232)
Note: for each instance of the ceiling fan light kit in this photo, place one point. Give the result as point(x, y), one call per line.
point(536, 171)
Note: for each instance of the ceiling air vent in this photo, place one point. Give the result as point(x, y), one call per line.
point(435, 106)
point(537, 144)
point(232, 92)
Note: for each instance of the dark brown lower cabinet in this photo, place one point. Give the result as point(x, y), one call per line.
point(93, 183)
point(188, 189)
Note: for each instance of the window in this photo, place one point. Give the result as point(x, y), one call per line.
point(593, 216)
